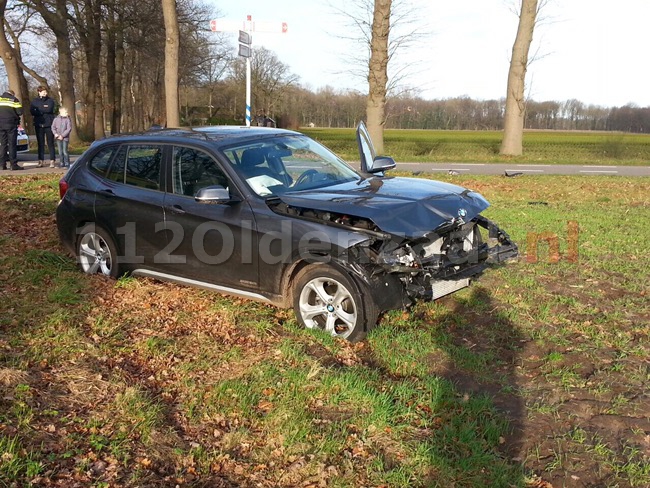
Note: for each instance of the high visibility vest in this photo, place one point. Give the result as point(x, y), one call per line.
point(10, 102)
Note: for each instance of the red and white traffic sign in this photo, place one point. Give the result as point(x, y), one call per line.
point(224, 25)
point(276, 27)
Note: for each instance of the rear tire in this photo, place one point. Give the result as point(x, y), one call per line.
point(96, 252)
point(327, 299)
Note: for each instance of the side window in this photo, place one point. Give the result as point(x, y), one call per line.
point(137, 165)
point(116, 172)
point(143, 166)
point(193, 169)
point(100, 161)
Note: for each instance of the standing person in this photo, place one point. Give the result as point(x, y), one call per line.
point(43, 109)
point(61, 128)
point(10, 111)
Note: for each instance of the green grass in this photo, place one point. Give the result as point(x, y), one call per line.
point(17, 463)
point(540, 147)
point(537, 371)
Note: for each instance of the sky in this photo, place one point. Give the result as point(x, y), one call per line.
point(590, 50)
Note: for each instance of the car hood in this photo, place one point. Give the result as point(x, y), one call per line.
point(410, 207)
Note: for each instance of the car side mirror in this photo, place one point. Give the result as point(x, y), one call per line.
point(382, 163)
point(213, 194)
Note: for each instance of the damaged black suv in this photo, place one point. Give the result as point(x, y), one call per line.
point(272, 215)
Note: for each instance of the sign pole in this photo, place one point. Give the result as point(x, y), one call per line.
point(248, 92)
point(245, 40)
point(245, 50)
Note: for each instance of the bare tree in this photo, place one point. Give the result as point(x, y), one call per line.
point(515, 114)
point(115, 39)
point(55, 15)
point(86, 19)
point(205, 61)
point(270, 79)
point(381, 29)
point(11, 57)
point(172, 46)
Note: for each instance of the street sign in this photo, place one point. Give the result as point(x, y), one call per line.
point(223, 25)
point(245, 38)
point(276, 27)
point(245, 51)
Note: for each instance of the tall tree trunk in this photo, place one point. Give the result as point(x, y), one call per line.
point(111, 56)
point(513, 132)
point(12, 62)
point(115, 66)
point(116, 119)
point(100, 125)
point(172, 44)
point(56, 20)
point(66, 83)
point(94, 63)
point(87, 24)
point(378, 74)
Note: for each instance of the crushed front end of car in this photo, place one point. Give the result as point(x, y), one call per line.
point(444, 261)
point(400, 261)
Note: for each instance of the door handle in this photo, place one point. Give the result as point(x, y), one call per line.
point(177, 209)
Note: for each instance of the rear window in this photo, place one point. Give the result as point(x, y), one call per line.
point(101, 161)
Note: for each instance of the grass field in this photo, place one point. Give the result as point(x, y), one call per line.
point(536, 376)
point(540, 147)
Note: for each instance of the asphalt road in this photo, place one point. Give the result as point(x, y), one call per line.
point(524, 169)
point(29, 161)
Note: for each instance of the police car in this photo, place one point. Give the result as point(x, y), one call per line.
point(23, 140)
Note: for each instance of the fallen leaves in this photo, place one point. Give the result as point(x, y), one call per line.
point(537, 482)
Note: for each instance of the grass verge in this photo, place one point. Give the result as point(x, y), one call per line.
point(538, 373)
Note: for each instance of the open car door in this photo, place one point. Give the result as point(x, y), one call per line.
point(370, 162)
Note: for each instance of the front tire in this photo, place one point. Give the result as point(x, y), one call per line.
point(326, 299)
point(96, 252)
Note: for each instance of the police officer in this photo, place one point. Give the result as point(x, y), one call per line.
point(10, 112)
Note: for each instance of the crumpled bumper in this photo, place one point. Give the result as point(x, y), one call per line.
point(504, 248)
point(498, 249)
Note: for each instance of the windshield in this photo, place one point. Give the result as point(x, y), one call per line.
point(288, 163)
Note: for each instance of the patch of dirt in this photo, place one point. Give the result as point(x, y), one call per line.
point(568, 431)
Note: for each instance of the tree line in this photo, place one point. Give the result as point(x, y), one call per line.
point(327, 107)
point(104, 61)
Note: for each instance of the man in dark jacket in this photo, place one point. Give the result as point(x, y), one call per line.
point(43, 108)
point(10, 112)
